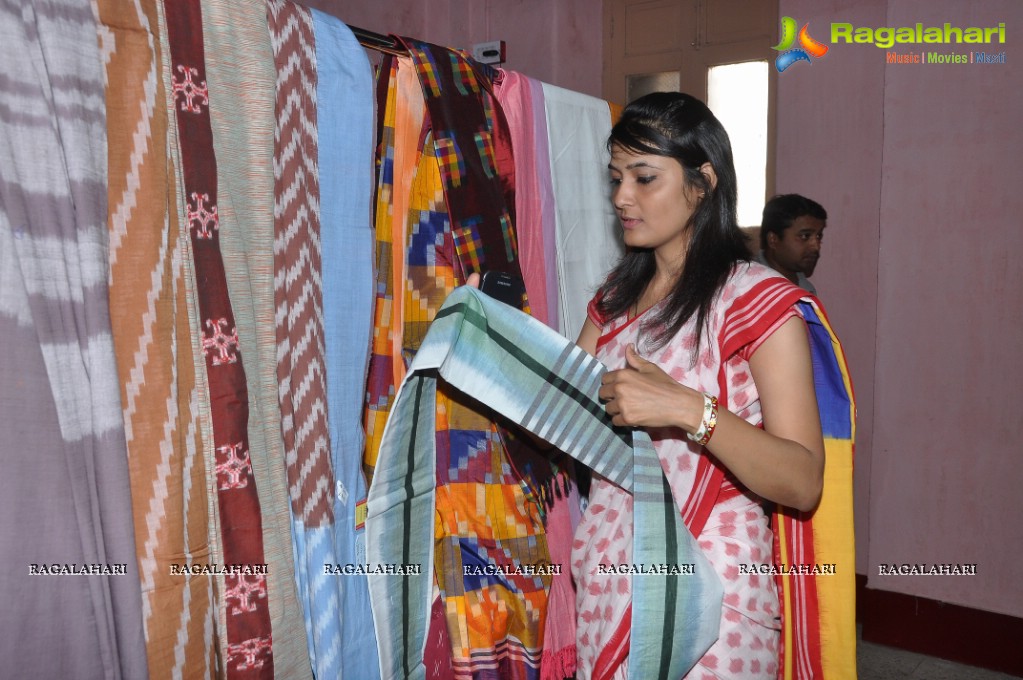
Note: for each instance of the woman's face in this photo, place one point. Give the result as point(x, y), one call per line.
point(652, 200)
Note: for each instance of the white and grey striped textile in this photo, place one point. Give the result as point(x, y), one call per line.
point(64, 490)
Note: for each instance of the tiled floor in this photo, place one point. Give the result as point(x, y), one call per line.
point(877, 662)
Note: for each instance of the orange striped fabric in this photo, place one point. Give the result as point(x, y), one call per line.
point(154, 348)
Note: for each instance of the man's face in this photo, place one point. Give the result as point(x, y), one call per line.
point(799, 247)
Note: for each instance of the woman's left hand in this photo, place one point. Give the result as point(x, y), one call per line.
point(643, 395)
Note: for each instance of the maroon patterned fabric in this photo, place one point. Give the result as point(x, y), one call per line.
point(245, 597)
point(475, 157)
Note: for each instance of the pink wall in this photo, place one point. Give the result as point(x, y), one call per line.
point(919, 167)
point(830, 127)
point(560, 43)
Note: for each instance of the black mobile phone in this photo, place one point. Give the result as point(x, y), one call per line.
point(505, 287)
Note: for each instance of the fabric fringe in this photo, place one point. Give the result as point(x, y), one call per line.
point(558, 665)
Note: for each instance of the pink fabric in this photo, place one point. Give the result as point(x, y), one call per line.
point(559, 652)
point(437, 655)
point(736, 532)
point(514, 95)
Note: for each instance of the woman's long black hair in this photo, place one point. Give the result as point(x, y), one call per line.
point(679, 126)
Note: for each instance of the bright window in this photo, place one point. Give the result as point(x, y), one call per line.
point(737, 94)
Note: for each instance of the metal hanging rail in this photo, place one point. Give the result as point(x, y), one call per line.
point(378, 41)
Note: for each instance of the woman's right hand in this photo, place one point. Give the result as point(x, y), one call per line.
point(642, 395)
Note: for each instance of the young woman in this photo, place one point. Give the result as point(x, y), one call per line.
point(708, 353)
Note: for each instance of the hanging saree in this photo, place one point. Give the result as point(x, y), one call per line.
point(299, 320)
point(515, 96)
point(154, 350)
point(243, 607)
point(458, 222)
point(240, 70)
point(344, 110)
point(72, 597)
point(588, 239)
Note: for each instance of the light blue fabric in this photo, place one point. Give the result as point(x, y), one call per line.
point(344, 96)
point(536, 378)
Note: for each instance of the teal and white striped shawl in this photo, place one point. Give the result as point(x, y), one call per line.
point(536, 378)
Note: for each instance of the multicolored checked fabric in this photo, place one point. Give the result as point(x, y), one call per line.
point(244, 597)
point(537, 379)
point(385, 364)
point(484, 513)
point(473, 147)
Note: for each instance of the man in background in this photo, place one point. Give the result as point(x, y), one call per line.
point(790, 237)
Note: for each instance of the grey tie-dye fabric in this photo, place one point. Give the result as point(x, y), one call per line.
point(65, 503)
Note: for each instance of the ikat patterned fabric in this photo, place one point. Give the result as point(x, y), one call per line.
point(65, 490)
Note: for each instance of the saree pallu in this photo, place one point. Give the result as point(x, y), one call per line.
point(65, 499)
point(542, 382)
point(154, 350)
point(344, 111)
point(819, 612)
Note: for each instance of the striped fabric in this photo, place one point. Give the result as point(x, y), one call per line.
point(539, 380)
point(154, 350)
point(819, 612)
point(64, 492)
point(344, 111)
point(240, 70)
point(301, 350)
point(244, 614)
point(514, 94)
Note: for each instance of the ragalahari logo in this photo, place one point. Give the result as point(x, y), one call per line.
point(808, 47)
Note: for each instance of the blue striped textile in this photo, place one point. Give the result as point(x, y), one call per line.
point(536, 378)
